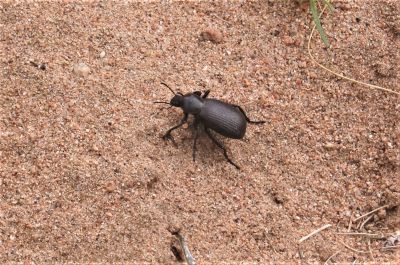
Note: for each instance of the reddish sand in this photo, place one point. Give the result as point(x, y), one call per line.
point(86, 177)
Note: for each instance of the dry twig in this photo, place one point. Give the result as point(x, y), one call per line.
point(390, 247)
point(350, 222)
point(370, 250)
point(371, 212)
point(353, 249)
point(314, 232)
point(334, 254)
point(374, 236)
point(188, 256)
point(366, 220)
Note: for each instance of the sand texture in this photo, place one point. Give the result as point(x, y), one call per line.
point(86, 177)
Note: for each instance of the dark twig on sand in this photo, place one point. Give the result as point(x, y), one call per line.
point(188, 256)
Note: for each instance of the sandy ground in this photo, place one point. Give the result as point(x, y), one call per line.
point(85, 176)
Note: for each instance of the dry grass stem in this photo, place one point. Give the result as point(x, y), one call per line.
point(340, 75)
point(390, 247)
point(334, 254)
point(370, 250)
point(350, 222)
point(314, 232)
point(371, 212)
point(353, 249)
point(366, 221)
point(374, 236)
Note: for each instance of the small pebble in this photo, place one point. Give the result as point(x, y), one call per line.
point(329, 146)
point(288, 41)
point(102, 54)
point(81, 69)
point(212, 35)
point(381, 213)
point(383, 70)
point(302, 64)
point(95, 148)
point(246, 82)
point(344, 6)
point(108, 214)
point(111, 187)
point(41, 66)
point(375, 218)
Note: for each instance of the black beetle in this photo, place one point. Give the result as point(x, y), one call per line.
point(226, 119)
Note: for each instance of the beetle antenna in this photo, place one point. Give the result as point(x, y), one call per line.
point(163, 102)
point(162, 83)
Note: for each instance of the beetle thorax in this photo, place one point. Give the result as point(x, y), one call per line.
point(192, 104)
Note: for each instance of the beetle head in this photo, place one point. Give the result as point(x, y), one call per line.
point(177, 100)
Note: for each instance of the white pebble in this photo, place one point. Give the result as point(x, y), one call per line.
point(81, 69)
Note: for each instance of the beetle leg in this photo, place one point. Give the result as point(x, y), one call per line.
point(247, 118)
point(206, 94)
point(198, 93)
point(215, 141)
point(196, 136)
point(168, 135)
point(198, 127)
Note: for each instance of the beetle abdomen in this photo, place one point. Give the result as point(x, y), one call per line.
point(223, 118)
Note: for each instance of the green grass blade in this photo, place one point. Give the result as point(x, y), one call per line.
point(329, 5)
point(317, 21)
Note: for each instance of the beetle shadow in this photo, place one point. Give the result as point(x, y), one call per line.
point(207, 152)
